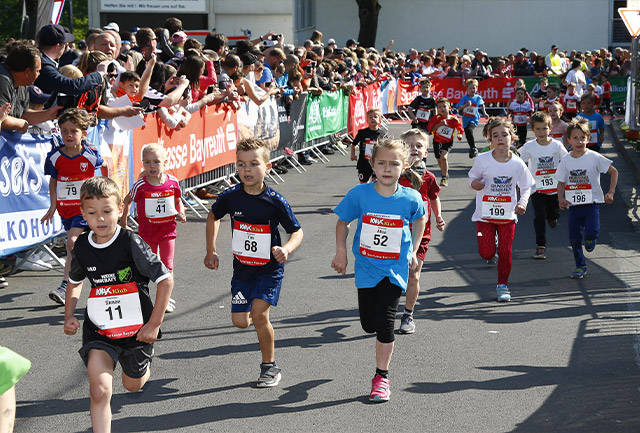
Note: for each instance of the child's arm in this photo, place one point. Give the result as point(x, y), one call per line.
point(146, 77)
point(562, 202)
point(340, 261)
point(71, 323)
point(213, 226)
point(601, 136)
point(126, 206)
point(484, 112)
point(149, 331)
point(416, 237)
point(435, 207)
point(182, 216)
point(53, 196)
point(613, 172)
point(353, 152)
point(281, 254)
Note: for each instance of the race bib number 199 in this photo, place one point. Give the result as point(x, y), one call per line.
point(497, 208)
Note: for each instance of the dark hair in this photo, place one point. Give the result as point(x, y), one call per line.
point(173, 24)
point(100, 187)
point(144, 36)
point(191, 68)
point(540, 117)
point(22, 57)
point(129, 76)
point(192, 44)
point(78, 117)
point(215, 41)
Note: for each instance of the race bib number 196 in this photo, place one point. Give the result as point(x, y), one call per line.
point(579, 194)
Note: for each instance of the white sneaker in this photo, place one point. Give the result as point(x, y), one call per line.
point(34, 263)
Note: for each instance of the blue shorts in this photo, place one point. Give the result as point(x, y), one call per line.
point(74, 221)
point(266, 287)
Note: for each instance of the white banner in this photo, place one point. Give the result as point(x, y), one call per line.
point(172, 6)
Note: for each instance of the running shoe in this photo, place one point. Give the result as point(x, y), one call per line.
point(540, 254)
point(504, 295)
point(579, 272)
point(473, 152)
point(269, 376)
point(171, 306)
point(58, 295)
point(444, 181)
point(3, 283)
point(407, 325)
point(380, 391)
point(552, 223)
point(493, 260)
point(589, 244)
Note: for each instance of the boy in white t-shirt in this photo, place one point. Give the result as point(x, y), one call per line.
point(542, 156)
point(578, 176)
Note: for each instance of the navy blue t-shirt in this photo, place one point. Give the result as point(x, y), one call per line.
point(251, 217)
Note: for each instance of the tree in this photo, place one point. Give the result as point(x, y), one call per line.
point(368, 11)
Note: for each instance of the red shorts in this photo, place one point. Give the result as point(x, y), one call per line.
point(422, 249)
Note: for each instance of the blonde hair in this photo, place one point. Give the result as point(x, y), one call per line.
point(100, 187)
point(471, 81)
point(374, 110)
point(520, 84)
point(410, 173)
point(393, 145)
point(159, 150)
point(70, 71)
point(558, 105)
point(254, 144)
point(415, 132)
point(495, 122)
point(90, 60)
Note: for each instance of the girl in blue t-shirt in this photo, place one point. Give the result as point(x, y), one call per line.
point(384, 247)
point(469, 107)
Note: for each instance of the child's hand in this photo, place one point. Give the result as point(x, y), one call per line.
point(339, 263)
point(520, 210)
point(413, 264)
point(477, 184)
point(563, 203)
point(440, 223)
point(182, 217)
point(608, 197)
point(459, 137)
point(280, 254)
point(148, 333)
point(354, 157)
point(71, 326)
point(211, 261)
point(48, 216)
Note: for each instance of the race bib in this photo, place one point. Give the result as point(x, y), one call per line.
point(572, 105)
point(368, 147)
point(68, 191)
point(115, 310)
point(546, 182)
point(520, 119)
point(445, 132)
point(423, 114)
point(160, 206)
point(251, 243)
point(381, 236)
point(497, 208)
point(593, 137)
point(470, 111)
point(577, 194)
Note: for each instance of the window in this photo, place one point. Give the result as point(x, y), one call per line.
point(619, 33)
point(305, 14)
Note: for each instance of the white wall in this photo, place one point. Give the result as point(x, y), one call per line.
point(497, 26)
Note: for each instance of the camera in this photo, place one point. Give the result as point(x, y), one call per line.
point(65, 101)
point(308, 69)
point(275, 37)
point(123, 57)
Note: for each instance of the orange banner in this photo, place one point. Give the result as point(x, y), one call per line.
point(491, 90)
point(207, 142)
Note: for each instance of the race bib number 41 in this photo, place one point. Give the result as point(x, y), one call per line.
point(381, 236)
point(251, 243)
point(160, 206)
point(115, 310)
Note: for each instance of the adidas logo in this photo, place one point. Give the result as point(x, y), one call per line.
point(238, 299)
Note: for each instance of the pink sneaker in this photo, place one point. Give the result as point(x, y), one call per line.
point(379, 389)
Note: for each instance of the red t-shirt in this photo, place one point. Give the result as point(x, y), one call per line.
point(429, 190)
point(444, 134)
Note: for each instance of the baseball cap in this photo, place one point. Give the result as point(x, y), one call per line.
point(53, 34)
point(248, 59)
point(37, 96)
point(352, 42)
point(520, 53)
point(112, 26)
point(179, 36)
point(331, 41)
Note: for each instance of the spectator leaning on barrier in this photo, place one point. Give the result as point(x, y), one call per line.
point(20, 69)
point(52, 40)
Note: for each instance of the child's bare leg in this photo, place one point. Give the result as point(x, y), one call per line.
point(241, 320)
point(413, 287)
point(260, 317)
point(442, 165)
point(445, 163)
point(100, 368)
point(8, 410)
point(383, 355)
point(132, 384)
point(72, 235)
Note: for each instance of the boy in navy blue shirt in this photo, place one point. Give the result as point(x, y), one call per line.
point(256, 210)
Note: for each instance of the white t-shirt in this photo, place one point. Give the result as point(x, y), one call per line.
point(500, 179)
point(583, 174)
point(543, 162)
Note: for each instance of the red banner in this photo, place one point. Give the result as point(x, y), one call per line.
point(361, 100)
point(207, 142)
point(491, 90)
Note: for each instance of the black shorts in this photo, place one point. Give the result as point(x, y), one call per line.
point(134, 361)
point(378, 307)
point(439, 147)
point(364, 170)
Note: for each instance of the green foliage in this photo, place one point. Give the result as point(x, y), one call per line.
point(80, 18)
point(10, 19)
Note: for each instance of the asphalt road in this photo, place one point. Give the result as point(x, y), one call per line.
point(562, 356)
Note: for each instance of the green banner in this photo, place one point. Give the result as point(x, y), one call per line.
point(618, 86)
point(326, 114)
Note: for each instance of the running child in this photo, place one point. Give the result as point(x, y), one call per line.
point(384, 247)
point(443, 126)
point(552, 95)
point(419, 178)
point(558, 126)
point(495, 176)
point(571, 101)
point(120, 321)
point(365, 139)
point(520, 110)
point(579, 190)
point(540, 94)
point(69, 165)
point(606, 95)
point(594, 119)
point(471, 105)
point(542, 156)
point(422, 107)
point(256, 210)
point(157, 198)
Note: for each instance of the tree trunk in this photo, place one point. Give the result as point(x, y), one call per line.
point(368, 11)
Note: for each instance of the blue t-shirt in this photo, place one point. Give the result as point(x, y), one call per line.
point(596, 123)
point(250, 216)
point(467, 116)
point(363, 202)
point(267, 75)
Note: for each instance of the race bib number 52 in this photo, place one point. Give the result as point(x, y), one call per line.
point(381, 236)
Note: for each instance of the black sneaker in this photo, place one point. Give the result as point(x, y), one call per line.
point(327, 151)
point(552, 223)
point(304, 161)
point(279, 169)
point(269, 376)
point(473, 152)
